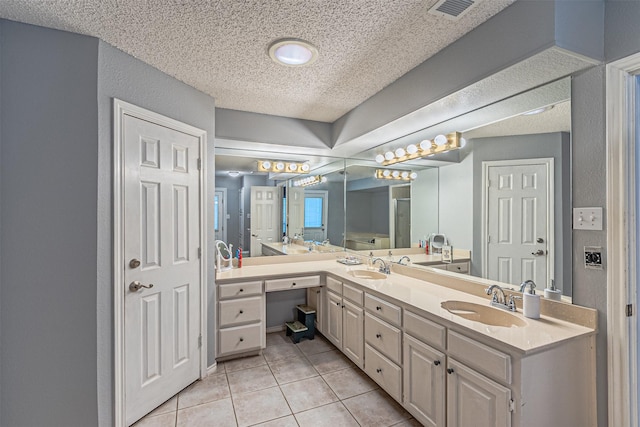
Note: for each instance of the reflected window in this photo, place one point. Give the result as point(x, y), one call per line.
point(313, 212)
point(216, 213)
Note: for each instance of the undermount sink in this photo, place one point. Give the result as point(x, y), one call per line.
point(483, 314)
point(367, 274)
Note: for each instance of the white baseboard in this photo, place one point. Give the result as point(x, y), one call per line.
point(212, 369)
point(272, 329)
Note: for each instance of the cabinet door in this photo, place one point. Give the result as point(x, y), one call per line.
point(475, 400)
point(353, 332)
point(424, 380)
point(334, 319)
point(316, 298)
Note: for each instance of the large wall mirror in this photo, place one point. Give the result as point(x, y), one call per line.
point(517, 144)
point(505, 195)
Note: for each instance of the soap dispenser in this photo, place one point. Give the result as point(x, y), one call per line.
point(530, 301)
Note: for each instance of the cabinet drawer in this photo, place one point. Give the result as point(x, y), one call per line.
point(334, 285)
point(240, 338)
point(353, 294)
point(384, 372)
point(233, 290)
point(429, 332)
point(459, 267)
point(479, 356)
point(291, 283)
point(386, 310)
point(383, 337)
point(241, 310)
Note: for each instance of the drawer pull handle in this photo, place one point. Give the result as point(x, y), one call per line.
point(450, 370)
point(378, 336)
point(241, 339)
point(317, 292)
point(294, 283)
point(379, 370)
point(338, 304)
point(241, 290)
point(436, 362)
point(241, 311)
point(378, 308)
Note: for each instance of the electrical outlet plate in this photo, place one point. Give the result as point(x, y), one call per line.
point(587, 218)
point(593, 257)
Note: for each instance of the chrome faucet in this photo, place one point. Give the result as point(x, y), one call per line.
point(384, 268)
point(501, 302)
point(529, 283)
point(403, 258)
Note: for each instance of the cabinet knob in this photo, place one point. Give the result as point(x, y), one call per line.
point(378, 308)
point(317, 292)
point(241, 290)
point(241, 311)
point(379, 370)
point(294, 283)
point(378, 336)
point(241, 339)
point(436, 362)
point(338, 304)
point(450, 370)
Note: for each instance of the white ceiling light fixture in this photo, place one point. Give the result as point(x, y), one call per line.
point(425, 148)
point(395, 175)
point(293, 52)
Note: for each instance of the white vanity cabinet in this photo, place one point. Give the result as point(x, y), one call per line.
point(241, 318)
point(383, 344)
point(316, 298)
point(345, 319)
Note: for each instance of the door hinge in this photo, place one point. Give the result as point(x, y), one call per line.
point(199, 164)
point(512, 405)
point(488, 239)
point(199, 341)
point(629, 310)
point(199, 253)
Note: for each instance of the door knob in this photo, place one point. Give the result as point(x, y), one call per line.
point(134, 263)
point(135, 286)
point(539, 252)
point(540, 240)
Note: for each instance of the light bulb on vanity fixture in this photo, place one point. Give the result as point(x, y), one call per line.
point(395, 175)
point(426, 148)
point(280, 166)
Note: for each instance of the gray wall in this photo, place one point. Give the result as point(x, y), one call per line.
point(368, 211)
point(49, 227)
point(56, 249)
point(335, 226)
point(281, 306)
point(454, 201)
point(424, 204)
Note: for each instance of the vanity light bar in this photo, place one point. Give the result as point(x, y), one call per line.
point(310, 180)
point(439, 144)
point(279, 166)
point(395, 175)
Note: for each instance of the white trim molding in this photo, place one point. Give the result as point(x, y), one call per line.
point(120, 110)
point(621, 225)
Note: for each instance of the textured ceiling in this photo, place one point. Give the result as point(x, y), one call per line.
point(220, 47)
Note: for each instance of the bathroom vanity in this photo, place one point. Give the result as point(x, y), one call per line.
point(407, 332)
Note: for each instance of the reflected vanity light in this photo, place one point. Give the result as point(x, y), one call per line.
point(426, 148)
point(280, 166)
point(395, 175)
point(310, 180)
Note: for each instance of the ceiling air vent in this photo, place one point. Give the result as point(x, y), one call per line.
point(453, 9)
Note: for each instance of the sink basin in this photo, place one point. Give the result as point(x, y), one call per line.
point(367, 274)
point(483, 314)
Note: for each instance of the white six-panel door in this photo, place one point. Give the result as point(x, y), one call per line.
point(518, 216)
point(161, 231)
point(265, 217)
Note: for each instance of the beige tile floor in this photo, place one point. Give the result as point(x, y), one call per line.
point(309, 384)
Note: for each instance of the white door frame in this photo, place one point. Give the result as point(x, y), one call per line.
point(622, 331)
point(549, 162)
point(325, 209)
point(120, 110)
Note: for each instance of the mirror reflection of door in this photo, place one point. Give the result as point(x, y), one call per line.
point(264, 217)
point(295, 211)
point(220, 214)
point(519, 221)
point(402, 227)
point(315, 215)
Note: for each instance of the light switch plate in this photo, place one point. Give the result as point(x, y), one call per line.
point(587, 218)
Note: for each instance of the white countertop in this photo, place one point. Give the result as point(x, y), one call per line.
point(426, 296)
